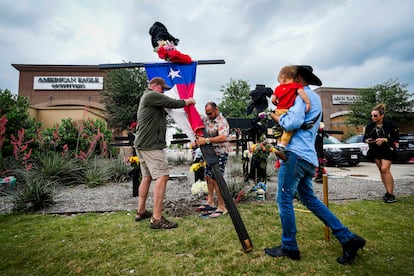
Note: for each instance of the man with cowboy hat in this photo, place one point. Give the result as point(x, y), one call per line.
point(295, 176)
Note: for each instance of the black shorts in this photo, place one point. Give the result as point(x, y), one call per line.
point(386, 152)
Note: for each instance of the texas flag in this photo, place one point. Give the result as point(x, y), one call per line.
point(181, 79)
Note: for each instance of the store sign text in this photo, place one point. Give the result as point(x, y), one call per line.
point(67, 83)
point(345, 99)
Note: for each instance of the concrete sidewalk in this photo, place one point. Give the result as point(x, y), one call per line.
point(369, 171)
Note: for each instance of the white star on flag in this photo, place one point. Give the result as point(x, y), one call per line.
point(173, 74)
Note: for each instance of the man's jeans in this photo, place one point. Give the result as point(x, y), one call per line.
point(296, 175)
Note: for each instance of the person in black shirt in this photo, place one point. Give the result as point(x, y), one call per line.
point(381, 136)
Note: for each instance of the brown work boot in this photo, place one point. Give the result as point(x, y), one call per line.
point(162, 223)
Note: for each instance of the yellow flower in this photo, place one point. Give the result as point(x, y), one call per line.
point(254, 147)
point(133, 160)
point(196, 166)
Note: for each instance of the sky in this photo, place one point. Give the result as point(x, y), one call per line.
point(349, 43)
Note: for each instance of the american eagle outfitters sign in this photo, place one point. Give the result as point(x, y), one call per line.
point(67, 83)
point(345, 99)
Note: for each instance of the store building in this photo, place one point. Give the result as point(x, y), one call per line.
point(335, 108)
point(56, 92)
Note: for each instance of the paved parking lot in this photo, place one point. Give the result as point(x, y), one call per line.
point(369, 171)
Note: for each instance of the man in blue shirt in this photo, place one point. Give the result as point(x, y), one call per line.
point(295, 176)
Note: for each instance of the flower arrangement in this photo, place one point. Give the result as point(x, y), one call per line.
point(166, 50)
point(261, 152)
point(196, 166)
point(199, 188)
point(260, 186)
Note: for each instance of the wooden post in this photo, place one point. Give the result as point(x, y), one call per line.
point(325, 201)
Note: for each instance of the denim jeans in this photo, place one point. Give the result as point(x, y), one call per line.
point(296, 175)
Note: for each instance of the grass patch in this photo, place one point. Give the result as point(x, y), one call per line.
point(113, 244)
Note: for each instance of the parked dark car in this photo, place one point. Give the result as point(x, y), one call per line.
point(405, 146)
point(338, 153)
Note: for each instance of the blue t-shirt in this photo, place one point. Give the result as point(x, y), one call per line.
point(303, 141)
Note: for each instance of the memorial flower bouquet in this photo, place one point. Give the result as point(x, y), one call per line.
point(261, 151)
point(167, 51)
point(196, 166)
point(133, 161)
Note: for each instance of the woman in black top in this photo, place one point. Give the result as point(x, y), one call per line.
point(381, 136)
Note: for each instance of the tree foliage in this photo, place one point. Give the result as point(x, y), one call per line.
point(236, 95)
point(398, 102)
point(123, 90)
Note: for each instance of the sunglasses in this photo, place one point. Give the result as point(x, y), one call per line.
point(209, 113)
point(374, 115)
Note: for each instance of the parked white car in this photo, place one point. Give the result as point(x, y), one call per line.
point(338, 153)
point(358, 141)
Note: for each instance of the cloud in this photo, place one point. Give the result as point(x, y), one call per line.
point(349, 43)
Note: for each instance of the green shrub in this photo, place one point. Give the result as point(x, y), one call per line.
point(118, 170)
point(234, 175)
point(33, 192)
point(96, 173)
point(95, 176)
point(178, 160)
point(83, 138)
point(15, 110)
point(63, 169)
point(235, 185)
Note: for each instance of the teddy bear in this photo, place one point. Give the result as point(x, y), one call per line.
point(165, 45)
point(159, 32)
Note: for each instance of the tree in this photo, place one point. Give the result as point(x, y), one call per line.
point(398, 102)
point(123, 90)
point(236, 95)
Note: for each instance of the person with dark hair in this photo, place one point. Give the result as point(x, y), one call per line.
point(218, 130)
point(295, 176)
point(149, 145)
point(381, 136)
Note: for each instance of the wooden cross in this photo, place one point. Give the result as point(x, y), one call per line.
point(212, 160)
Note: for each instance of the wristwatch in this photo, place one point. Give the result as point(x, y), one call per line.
point(208, 141)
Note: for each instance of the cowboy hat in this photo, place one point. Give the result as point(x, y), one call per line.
point(306, 72)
